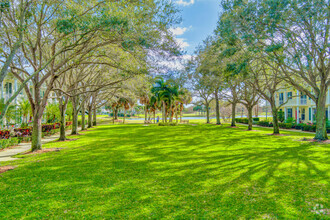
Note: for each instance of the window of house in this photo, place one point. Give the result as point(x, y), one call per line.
point(289, 95)
point(281, 98)
point(289, 112)
point(8, 88)
point(303, 114)
point(303, 99)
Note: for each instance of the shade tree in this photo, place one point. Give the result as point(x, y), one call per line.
point(293, 34)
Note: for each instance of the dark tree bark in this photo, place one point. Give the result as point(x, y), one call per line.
point(217, 107)
point(233, 114)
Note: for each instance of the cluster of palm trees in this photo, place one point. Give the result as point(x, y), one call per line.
point(122, 103)
point(167, 97)
point(14, 112)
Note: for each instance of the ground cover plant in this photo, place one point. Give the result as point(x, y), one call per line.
point(186, 171)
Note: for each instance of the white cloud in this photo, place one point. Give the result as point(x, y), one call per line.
point(178, 63)
point(178, 31)
point(185, 3)
point(182, 42)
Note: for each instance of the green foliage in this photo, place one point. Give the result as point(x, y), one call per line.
point(290, 120)
point(299, 126)
point(264, 123)
point(167, 124)
point(285, 125)
point(4, 5)
point(280, 116)
point(242, 120)
point(308, 127)
point(12, 141)
point(52, 113)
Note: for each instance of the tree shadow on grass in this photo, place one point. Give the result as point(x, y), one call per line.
point(173, 172)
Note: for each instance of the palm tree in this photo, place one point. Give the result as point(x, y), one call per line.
point(159, 87)
point(155, 103)
point(144, 100)
point(169, 95)
point(126, 103)
point(184, 99)
point(10, 113)
point(25, 108)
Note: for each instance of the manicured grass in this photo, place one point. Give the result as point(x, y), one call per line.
point(203, 171)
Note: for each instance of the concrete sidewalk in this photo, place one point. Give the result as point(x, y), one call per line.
point(7, 154)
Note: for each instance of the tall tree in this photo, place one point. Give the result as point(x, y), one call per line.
point(294, 35)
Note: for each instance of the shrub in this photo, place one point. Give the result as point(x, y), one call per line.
point(290, 120)
point(256, 119)
point(285, 125)
point(4, 134)
point(23, 132)
point(299, 126)
point(68, 123)
point(4, 143)
point(263, 123)
point(167, 124)
point(309, 127)
point(280, 115)
point(47, 128)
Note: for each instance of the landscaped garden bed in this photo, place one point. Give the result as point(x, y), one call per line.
point(289, 125)
point(18, 135)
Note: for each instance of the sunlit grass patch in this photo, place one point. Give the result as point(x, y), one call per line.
point(204, 171)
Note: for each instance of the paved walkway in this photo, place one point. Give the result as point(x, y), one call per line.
point(7, 154)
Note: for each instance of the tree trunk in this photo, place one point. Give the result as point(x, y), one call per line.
point(163, 112)
point(113, 116)
point(181, 109)
point(145, 112)
point(276, 129)
point(90, 116)
point(124, 116)
point(207, 113)
point(83, 121)
point(233, 114)
point(171, 113)
point(36, 134)
point(62, 124)
point(94, 117)
point(321, 133)
point(74, 121)
point(217, 107)
point(155, 117)
point(116, 113)
point(250, 112)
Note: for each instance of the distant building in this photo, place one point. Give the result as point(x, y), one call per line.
point(299, 106)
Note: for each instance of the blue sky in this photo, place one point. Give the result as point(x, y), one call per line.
point(199, 20)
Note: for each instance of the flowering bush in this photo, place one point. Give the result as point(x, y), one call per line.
point(4, 134)
point(23, 132)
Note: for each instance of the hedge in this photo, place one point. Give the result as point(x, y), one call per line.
point(307, 127)
point(167, 124)
point(285, 125)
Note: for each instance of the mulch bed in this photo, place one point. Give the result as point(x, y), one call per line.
point(44, 151)
point(6, 168)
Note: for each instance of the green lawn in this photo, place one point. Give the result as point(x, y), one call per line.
point(204, 171)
